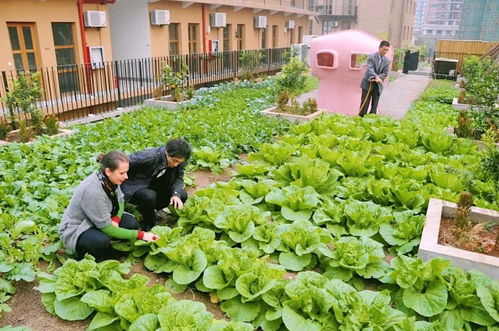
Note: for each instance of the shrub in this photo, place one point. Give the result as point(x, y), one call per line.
point(22, 95)
point(4, 130)
point(52, 124)
point(482, 89)
point(250, 61)
point(37, 121)
point(293, 77)
point(25, 132)
point(175, 79)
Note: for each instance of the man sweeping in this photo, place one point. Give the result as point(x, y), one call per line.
point(372, 82)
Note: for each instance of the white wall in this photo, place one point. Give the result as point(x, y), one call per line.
point(130, 29)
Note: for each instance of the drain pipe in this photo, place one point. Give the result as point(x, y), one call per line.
point(203, 12)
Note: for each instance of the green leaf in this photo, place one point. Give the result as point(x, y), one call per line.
point(147, 322)
point(184, 274)
point(430, 301)
point(241, 312)
point(101, 320)
point(293, 262)
point(72, 309)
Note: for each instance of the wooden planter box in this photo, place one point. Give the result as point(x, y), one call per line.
point(164, 102)
point(62, 133)
point(458, 106)
point(429, 247)
point(291, 117)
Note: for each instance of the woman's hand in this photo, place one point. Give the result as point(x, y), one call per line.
point(149, 236)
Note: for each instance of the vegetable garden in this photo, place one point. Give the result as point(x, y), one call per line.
point(317, 230)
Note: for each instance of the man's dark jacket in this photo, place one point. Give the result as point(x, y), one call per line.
point(145, 166)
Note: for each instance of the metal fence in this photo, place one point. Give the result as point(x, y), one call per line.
point(74, 91)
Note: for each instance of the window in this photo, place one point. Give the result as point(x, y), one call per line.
point(65, 56)
point(274, 36)
point(357, 60)
point(291, 33)
point(24, 45)
point(240, 36)
point(264, 38)
point(173, 34)
point(193, 38)
point(300, 34)
point(227, 32)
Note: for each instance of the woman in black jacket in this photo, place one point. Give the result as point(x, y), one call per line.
point(156, 179)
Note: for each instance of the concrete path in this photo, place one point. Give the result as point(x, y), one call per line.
point(397, 96)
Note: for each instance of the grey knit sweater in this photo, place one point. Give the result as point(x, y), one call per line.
point(90, 207)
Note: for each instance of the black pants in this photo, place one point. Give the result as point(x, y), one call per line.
point(96, 243)
point(148, 200)
point(369, 96)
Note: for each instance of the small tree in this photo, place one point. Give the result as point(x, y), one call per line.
point(175, 80)
point(22, 97)
point(293, 77)
point(250, 61)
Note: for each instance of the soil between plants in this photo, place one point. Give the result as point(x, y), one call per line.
point(480, 238)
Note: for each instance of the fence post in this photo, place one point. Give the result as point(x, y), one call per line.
point(116, 68)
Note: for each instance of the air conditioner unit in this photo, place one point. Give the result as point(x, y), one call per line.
point(95, 19)
point(290, 24)
point(260, 22)
point(160, 17)
point(335, 24)
point(218, 20)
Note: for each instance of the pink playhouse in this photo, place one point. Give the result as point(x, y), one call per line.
point(339, 60)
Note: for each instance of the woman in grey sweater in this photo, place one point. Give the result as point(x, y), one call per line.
point(95, 212)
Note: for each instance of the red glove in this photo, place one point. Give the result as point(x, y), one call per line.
point(116, 219)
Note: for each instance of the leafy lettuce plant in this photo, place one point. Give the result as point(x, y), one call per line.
point(404, 232)
point(422, 286)
point(298, 243)
point(364, 218)
point(297, 203)
point(350, 255)
point(239, 221)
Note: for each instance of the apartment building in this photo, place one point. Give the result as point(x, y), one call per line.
point(48, 33)
point(388, 19)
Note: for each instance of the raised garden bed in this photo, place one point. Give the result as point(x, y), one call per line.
point(164, 102)
point(13, 136)
point(430, 247)
point(272, 111)
point(458, 106)
point(481, 145)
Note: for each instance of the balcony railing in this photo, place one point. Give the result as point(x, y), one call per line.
point(74, 91)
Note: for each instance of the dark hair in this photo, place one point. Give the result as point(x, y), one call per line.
point(384, 43)
point(111, 160)
point(178, 148)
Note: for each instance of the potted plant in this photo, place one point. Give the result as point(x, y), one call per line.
point(289, 108)
point(291, 82)
point(174, 81)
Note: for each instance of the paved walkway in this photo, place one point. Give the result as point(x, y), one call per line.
point(397, 96)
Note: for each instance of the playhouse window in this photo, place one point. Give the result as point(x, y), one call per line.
point(326, 60)
point(357, 60)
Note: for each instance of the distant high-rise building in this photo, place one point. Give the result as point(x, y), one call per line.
point(441, 18)
point(480, 20)
point(420, 10)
